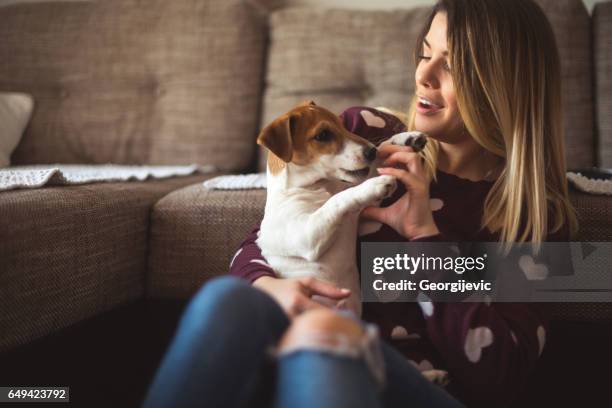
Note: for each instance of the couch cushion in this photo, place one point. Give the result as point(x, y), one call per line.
point(602, 38)
point(194, 235)
point(127, 81)
point(68, 253)
point(571, 24)
point(196, 231)
point(595, 220)
point(343, 58)
point(594, 216)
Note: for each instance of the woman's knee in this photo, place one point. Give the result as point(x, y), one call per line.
point(326, 331)
point(321, 329)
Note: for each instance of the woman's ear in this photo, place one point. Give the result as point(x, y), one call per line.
point(277, 137)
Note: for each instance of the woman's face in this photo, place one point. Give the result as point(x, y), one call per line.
point(437, 113)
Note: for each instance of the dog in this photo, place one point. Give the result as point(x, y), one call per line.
point(319, 178)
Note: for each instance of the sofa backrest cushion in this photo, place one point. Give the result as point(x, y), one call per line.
point(602, 37)
point(132, 81)
point(341, 58)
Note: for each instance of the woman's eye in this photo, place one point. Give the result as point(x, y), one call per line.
point(324, 136)
point(423, 57)
point(446, 66)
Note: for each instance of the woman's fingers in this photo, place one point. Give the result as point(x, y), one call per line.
point(409, 160)
point(321, 288)
point(409, 180)
point(387, 150)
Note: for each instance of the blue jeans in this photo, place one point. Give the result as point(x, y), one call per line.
point(221, 354)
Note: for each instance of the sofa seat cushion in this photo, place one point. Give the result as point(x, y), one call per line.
point(594, 216)
point(195, 232)
point(68, 253)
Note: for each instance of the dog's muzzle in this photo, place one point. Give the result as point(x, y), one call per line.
point(369, 152)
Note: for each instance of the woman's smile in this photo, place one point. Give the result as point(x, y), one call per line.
point(428, 108)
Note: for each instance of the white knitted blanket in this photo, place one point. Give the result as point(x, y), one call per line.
point(589, 185)
point(237, 182)
point(66, 174)
point(258, 180)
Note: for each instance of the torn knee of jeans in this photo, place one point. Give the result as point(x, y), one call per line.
point(364, 346)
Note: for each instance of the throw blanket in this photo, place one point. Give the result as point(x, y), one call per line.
point(67, 174)
point(258, 180)
point(239, 182)
point(590, 185)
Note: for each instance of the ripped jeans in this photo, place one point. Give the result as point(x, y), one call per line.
point(222, 356)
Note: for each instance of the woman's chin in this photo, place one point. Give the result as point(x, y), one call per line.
point(437, 131)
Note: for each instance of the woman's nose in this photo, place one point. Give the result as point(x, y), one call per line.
point(425, 76)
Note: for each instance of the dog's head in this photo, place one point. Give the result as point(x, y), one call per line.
point(313, 137)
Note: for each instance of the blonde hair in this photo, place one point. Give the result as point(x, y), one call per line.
point(506, 71)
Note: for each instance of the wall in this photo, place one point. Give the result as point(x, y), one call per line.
point(365, 4)
point(389, 4)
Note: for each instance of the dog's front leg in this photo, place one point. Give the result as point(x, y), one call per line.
point(323, 223)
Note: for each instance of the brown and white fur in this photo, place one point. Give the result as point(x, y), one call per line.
point(319, 178)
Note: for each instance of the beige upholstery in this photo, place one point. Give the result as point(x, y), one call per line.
point(194, 235)
point(127, 81)
point(343, 58)
point(69, 253)
point(594, 216)
point(602, 37)
point(572, 26)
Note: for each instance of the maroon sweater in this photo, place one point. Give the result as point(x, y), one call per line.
point(489, 349)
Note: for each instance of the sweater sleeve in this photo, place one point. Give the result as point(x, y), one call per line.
point(248, 263)
point(371, 124)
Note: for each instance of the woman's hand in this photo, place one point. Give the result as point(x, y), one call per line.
point(294, 295)
point(410, 215)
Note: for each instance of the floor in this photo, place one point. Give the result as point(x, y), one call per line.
point(108, 361)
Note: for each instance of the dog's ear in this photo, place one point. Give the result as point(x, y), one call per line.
point(278, 137)
point(307, 102)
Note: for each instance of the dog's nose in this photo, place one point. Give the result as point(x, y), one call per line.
point(417, 143)
point(369, 153)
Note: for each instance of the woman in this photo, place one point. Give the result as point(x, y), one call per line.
point(488, 95)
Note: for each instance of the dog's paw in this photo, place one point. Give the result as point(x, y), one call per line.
point(438, 377)
point(416, 140)
point(378, 188)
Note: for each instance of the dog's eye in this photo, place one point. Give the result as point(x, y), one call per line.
point(324, 136)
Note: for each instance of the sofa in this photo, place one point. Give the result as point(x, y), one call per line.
point(93, 278)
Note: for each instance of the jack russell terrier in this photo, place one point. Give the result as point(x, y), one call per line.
point(319, 178)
